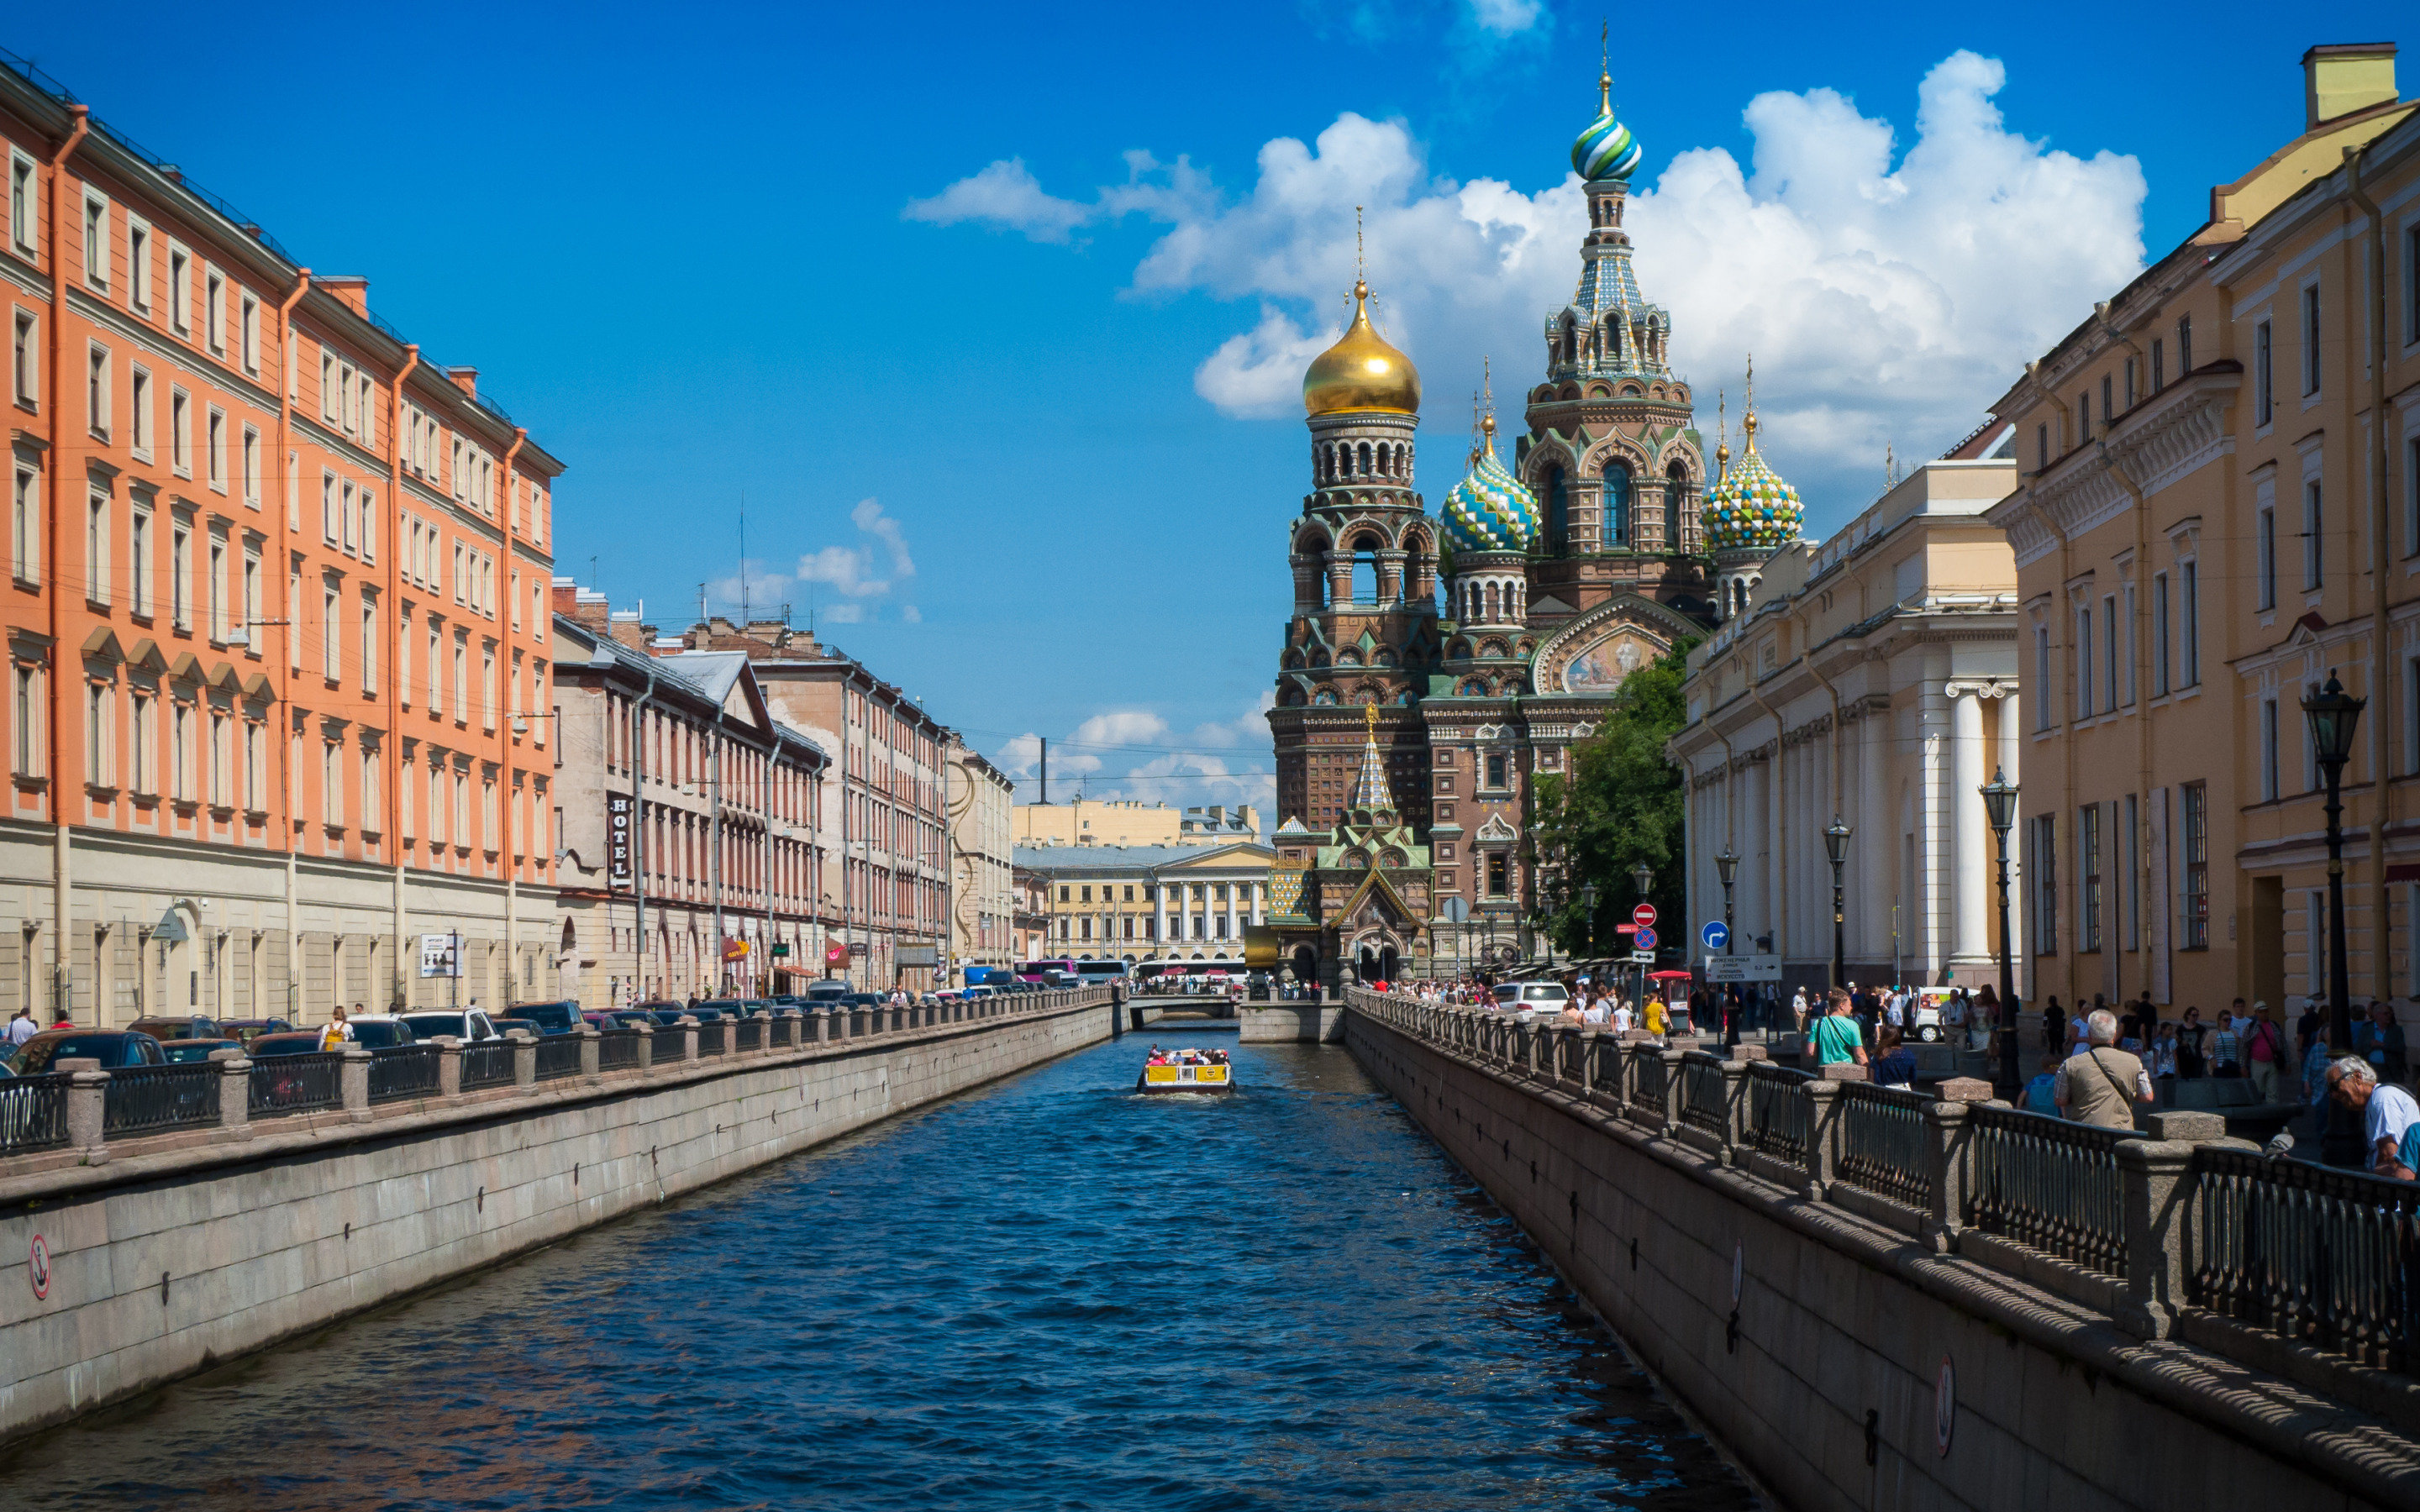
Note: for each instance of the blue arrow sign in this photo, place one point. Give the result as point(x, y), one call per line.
point(1716, 934)
point(1646, 937)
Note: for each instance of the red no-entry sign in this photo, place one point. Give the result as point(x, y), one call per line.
point(1643, 915)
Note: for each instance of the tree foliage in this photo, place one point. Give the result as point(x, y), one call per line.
point(1618, 803)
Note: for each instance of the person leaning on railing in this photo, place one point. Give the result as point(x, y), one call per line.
point(2389, 1118)
point(2101, 1085)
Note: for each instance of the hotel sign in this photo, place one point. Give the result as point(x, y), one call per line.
point(618, 841)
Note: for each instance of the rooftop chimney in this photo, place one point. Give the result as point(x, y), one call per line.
point(465, 378)
point(2341, 78)
point(353, 292)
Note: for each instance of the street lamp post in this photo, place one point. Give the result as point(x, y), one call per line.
point(1727, 868)
point(1643, 876)
point(2333, 714)
point(2000, 805)
point(1836, 842)
point(1588, 919)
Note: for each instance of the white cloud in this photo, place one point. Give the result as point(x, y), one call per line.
point(1004, 194)
point(910, 613)
point(1886, 299)
point(1109, 755)
point(1507, 18)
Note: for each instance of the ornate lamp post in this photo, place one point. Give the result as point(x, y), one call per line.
point(2333, 714)
point(1835, 842)
point(2000, 806)
point(1642, 876)
point(1588, 910)
point(1727, 868)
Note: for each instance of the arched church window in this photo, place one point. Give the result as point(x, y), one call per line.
point(1676, 500)
point(1365, 458)
point(1365, 563)
point(1617, 504)
point(1613, 339)
point(1559, 514)
point(1571, 340)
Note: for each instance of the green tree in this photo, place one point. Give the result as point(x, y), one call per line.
point(1618, 803)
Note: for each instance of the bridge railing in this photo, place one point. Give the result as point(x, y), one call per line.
point(66, 1116)
point(2156, 1228)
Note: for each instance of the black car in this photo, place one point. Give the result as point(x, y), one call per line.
point(182, 1026)
point(186, 1052)
point(115, 1049)
point(292, 1042)
point(383, 1034)
point(549, 1018)
point(248, 1031)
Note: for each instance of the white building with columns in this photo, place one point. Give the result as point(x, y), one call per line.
point(1146, 904)
point(1873, 678)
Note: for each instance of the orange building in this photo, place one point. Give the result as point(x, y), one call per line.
point(277, 601)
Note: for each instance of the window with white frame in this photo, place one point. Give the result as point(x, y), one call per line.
point(25, 359)
point(97, 389)
point(248, 333)
point(142, 770)
point(370, 790)
point(138, 559)
point(181, 575)
point(436, 667)
point(251, 598)
point(331, 631)
point(138, 264)
point(331, 783)
point(96, 238)
point(255, 767)
point(369, 525)
point(214, 310)
point(403, 654)
point(2267, 750)
point(181, 290)
point(328, 526)
point(181, 433)
point(217, 446)
point(97, 547)
point(181, 750)
point(252, 467)
point(24, 202)
point(138, 412)
point(369, 644)
point(215, 588)
point(29, 750)
point(98, 716)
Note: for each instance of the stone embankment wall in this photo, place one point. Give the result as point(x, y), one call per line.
point(180, 1251)
point(1813, 1337)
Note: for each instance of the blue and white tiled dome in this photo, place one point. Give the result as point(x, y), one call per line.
point(1489, 510)
point(1751, 508)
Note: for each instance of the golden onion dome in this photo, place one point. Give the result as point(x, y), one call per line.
point(1361, 371)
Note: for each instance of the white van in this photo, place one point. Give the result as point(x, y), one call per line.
point(1529, 1000)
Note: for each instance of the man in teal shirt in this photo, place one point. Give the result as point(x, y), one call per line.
point(1839, 1041)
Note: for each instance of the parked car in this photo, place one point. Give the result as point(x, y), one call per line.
point(115, 1049)
point(292, 1042)
point(1530, 1000)
point(181, 1027)
point(186, 1052)
point(528, 1027)
point(381, 1032)
point(549, 1018)
point(469, 1026)
point(248, 1031)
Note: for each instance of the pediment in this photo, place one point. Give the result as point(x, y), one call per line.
point(1496, 830)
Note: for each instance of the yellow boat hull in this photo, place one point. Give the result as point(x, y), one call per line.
point(1186, 1079)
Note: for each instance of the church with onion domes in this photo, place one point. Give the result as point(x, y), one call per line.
point(1435, 666)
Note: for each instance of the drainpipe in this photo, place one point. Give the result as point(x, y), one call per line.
point(394, 671)
point(2142, 668)
point(505, 799)
point(292, 626)
point(2383, 685)
point(62, 832)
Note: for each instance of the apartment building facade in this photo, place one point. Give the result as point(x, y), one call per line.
point(981, 863)
point(2220, 509)
point(1147, 904)
point(688, 822)
point(1871, 678)
point(275, 608)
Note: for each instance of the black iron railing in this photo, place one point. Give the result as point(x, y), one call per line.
point(405, 1070)
point(1883, 1142)
point(1780, 1116)
point(33, 1113)
point(2050, 1184)
point(488, 1063)
point(752, 1034)
point(297, 1083)
point(2327, 1257)
point(1704, 1103)
point(713, 1039)
point(1647, 1084)
point(617, 1049)
point(558, 1055)
point(148, 1099)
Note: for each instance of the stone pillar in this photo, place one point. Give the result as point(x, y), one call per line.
point(1969, 832)
point(1946, 1163)
point(1675, 1090)
point(88, 1105)
point(591, 1071)
point(1234, 920)
point(354, 1077)
point(449, 1066)
point(1587, 1043)
point(646, 1061)
point(1735, 1105)
point(689, 1039)
point(1823, 1137)
point(524, 1061)
point(1159, 919)
point(824, 1025)
point(235, 1093)
point(2152, 1176)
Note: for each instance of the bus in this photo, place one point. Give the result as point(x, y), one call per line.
point(1100, 972)
point(1040, 971)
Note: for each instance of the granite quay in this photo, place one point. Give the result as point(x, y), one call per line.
point(180, 1217)
point(1877, 1298)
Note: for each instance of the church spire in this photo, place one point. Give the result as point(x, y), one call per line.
point(1370, 791)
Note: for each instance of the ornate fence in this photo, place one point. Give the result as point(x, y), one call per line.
point(488, 1063)
point(2326, 1257)
point(617, 1049)
point(558, 1055)
point(1780, 1122)
point(297, 1083)
point(1882, 1143)
point(2049, 1184)
point(404, 1072)
point(1705, 1102)
point(149, 1099)
point(33, 1113)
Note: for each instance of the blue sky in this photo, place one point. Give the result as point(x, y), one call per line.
point(706, 253)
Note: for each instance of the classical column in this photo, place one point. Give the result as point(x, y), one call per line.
point(1970, 847)
point(1235, 932)
point(1159, 915)
point(1260, 891)
point(1877, 838)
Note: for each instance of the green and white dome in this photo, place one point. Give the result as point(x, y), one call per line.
point(1606, 150)
point(1751, 508)
point(1489, 510)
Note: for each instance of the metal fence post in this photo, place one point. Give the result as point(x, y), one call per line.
point(355, 1080)
point(1823, 1137)
point(235, 1093)
point(2152, 1173)
point(449, 1066)
point(591, 1070)
point(524, 1061)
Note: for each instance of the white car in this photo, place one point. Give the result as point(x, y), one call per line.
point(1529, 1001)
point(470, 1027)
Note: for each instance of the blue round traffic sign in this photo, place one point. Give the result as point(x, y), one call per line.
point(1716, 934)
point(1646, 937)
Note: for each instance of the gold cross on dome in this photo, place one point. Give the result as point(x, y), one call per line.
point(1371, 711)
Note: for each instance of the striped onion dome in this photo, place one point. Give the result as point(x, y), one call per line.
point(1751, 508)
point(1606, 150)
point(1489, 510)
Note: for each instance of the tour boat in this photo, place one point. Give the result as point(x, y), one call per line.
point(1201, 1074)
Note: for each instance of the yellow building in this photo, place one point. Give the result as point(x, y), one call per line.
point(2213, 468)
point(1147, 904)
point(1132, 822)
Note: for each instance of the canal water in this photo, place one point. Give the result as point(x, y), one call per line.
point(1050, 1293)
